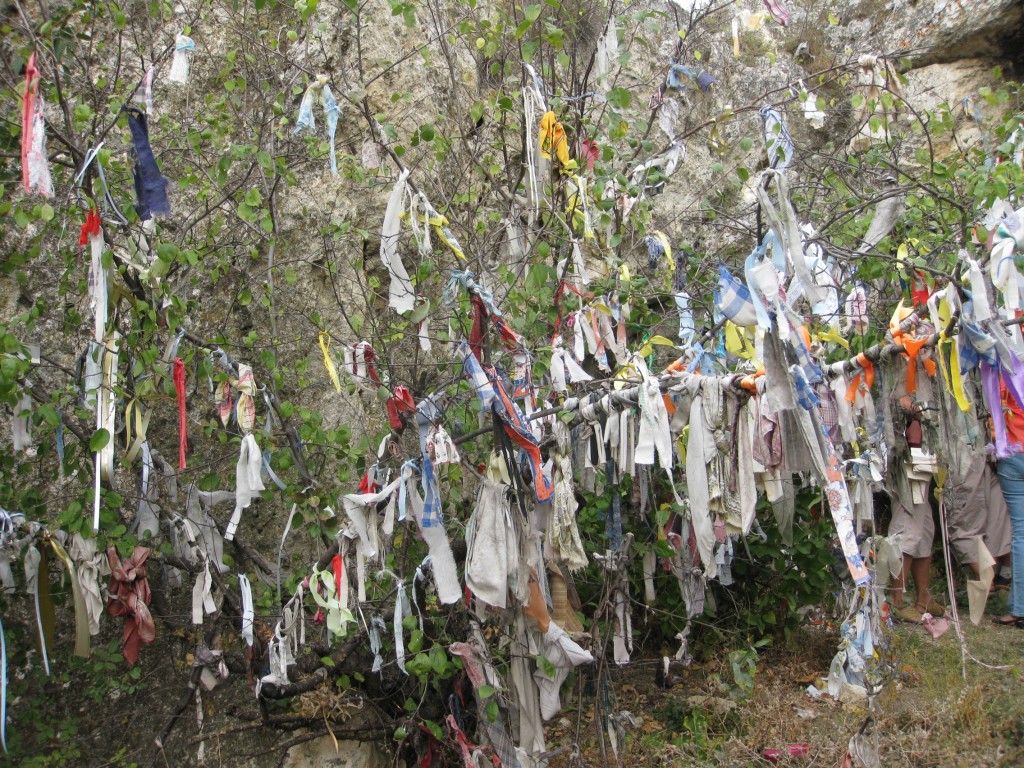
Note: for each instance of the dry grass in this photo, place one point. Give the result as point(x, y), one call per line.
point(930, 715)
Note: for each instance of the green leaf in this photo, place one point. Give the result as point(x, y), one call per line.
point(46, 212)
point(486, 691)
point(532, 13)
point(167, 252)
point(438, 659)
point(48, 414)
point(476, 112)
point(619, 98)
point(492, 711)
point(546, 666)
point(99, 440)
point(434, 729)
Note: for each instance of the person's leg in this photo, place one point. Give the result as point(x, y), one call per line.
point(920, 569)
point(1011, 479)
point(899, 583)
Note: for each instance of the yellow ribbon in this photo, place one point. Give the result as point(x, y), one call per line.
point(576, 206)
point(134, 415)
point(82, 641)
point(552, 138)
point(449, 239)
point(325, 346)
point(953, 377)
point(832, 335)
point(441, 228)
point(497, 469)
point(737, 342)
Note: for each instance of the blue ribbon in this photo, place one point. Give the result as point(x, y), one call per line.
point(60, 440)
point(270, 472)
point(755, 256)
point(150, 184)
point(776, 136)
point(331, 115)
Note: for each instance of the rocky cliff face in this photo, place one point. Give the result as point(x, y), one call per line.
point(279, 249)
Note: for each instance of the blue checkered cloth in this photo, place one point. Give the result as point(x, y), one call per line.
point(732, 299)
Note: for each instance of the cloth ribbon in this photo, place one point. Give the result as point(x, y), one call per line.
point(248, 482)
point(325, 347)
point(248, 613)
point(36, 562)
point(1014, 382)
point(150, 184)
point(35, 171)
point(400, 402)
point(136, 424)
point(865, 376)
point(552, 140)
point(778, 11)
point(202, 595)
point(856, 310)
point(90, 565)
point(402, 609)
point(401, 295)
point(306, 120)
point(183, 47)
point(941, 304)
point(838, 497)
point(778, 142)
point(130, 597)
point(334, 601)
point(911, 346)
point(359, 359)
point(517, 428)
point(422, 212)
point(783, 220)
point(179, 388)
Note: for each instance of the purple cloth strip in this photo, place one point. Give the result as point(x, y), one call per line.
point(990, 388)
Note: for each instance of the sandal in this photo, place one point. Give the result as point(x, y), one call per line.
point(907, 613)
point(999, 583)
point(1011, 621)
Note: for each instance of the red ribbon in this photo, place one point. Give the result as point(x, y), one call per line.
point(562, 286)
point(369, 356)
point(919, 292)
point(91, 227)
point(476, 333)
point(338, 566)
point(129, 597)
point(401, 402)
point(366, 485)
point(179, 387)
